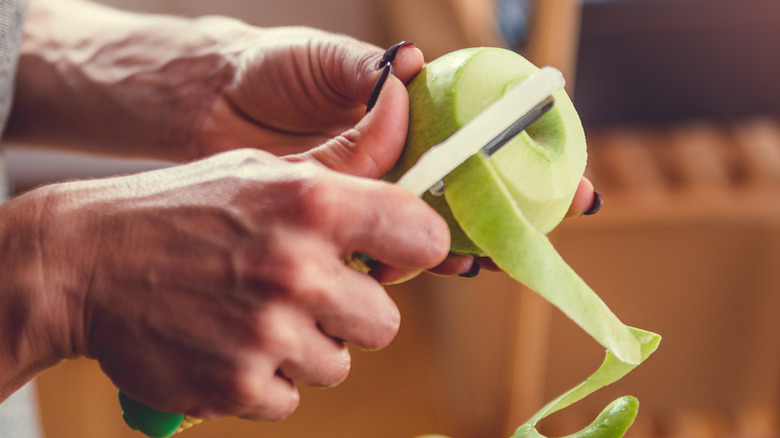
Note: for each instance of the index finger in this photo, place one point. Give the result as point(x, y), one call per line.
point(391, 226)
point(360, 68)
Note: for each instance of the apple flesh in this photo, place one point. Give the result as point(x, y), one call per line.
point(541, 167)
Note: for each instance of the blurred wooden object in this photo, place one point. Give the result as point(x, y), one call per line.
point(687, 245)
point(554, 35)
point(439, 26)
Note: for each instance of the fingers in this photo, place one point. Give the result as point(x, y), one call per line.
point(586, 200)
point(265, 399)
point(361, 314)
point(325, 364)
point(351, 68)
point(301, 339)
point(373, 146)
point(455, 264)
point(391, 226)
point(385, 65)
point(310, 355)
point(407, 60)
point(357, 311)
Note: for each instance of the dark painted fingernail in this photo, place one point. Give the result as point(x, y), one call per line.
point(598, 201)
point(386, 64)
point(390, 53)
point(386, 71)
point(472, 272)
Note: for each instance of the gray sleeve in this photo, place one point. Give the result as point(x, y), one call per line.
point(19, 415)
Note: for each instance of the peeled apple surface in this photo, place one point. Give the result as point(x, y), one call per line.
point(541, 168)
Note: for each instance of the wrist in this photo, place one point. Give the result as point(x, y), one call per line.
point(33, 314)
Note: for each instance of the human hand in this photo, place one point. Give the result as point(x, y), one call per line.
point(209, 288)
point(295, 88)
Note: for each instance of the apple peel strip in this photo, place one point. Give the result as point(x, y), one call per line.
point(543, 270)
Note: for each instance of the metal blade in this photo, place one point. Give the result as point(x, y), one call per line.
point(492, 128)
point(519, 126)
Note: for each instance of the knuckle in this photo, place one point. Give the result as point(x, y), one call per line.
point(294, 270)
point(318, 202)
point(348, 139)
point(247, 156)
point(235, 393)
point(438, 238)
point(317, 369)
point(257, 395)
point(241, 163)
point(280, 341)
point(303, 281)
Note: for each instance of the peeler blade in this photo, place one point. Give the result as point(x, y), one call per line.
point(492, 128)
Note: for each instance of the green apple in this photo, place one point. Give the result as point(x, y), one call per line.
point(541, 167)
point(502, 206)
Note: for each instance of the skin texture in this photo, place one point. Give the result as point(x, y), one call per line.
point(226, 269)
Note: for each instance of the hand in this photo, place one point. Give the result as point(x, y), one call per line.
point(179, 89)
point(209, 288)
point(295, 88)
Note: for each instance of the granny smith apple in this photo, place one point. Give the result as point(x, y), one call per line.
point(541, 167)
point(503, 205)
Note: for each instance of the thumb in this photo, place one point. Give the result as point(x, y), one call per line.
point(372, 147)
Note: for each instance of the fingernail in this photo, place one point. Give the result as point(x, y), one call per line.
point(598, 201)
point(386, 71)
point(389, 55)
point(386, 64)
point(472, 272)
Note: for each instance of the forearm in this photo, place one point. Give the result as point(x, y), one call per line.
point(114, 82)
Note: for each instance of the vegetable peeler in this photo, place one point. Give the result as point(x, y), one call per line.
point(520, 107)
point(486, 133)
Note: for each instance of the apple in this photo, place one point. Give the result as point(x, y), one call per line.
point(502, 206)
point(540, 168)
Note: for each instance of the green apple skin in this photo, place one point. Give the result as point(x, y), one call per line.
point(541, 167)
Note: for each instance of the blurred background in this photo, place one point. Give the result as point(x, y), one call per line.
point(680, 100)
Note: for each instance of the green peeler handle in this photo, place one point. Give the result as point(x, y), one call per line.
point(149, 421)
